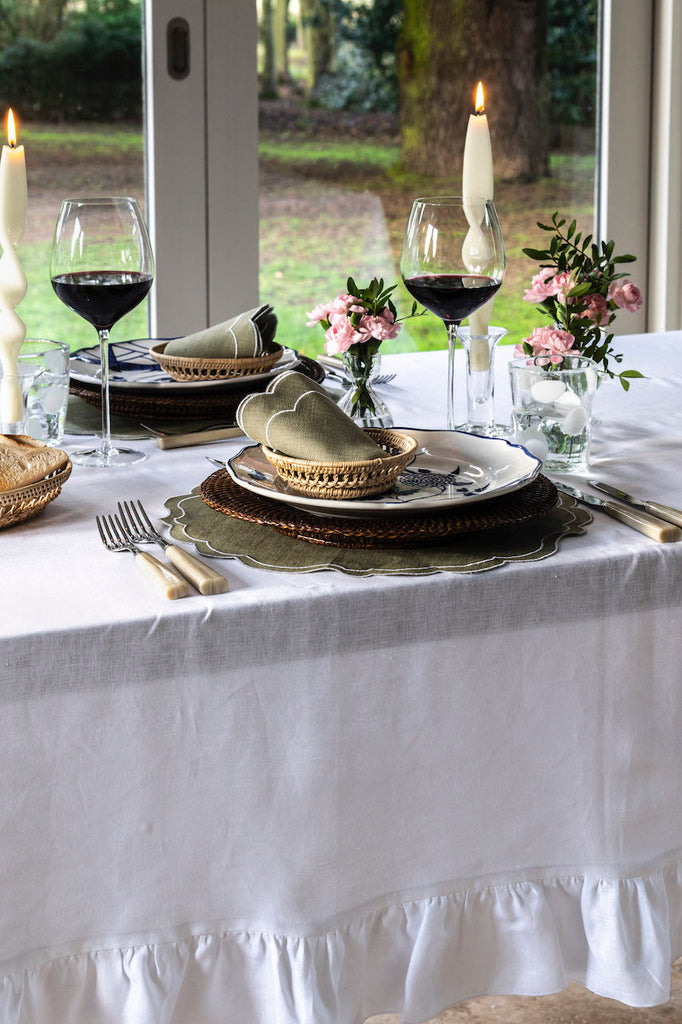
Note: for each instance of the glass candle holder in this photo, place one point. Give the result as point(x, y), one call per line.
point(552, 409)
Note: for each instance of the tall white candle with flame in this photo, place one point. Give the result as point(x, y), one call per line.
point(13, 205)
point(477, 185)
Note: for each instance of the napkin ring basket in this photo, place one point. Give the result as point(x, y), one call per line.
point(341, 480)
point(192, 368)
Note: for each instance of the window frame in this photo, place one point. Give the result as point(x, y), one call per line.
point(202, 164)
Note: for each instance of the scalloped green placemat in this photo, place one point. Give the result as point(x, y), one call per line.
point(221, 536)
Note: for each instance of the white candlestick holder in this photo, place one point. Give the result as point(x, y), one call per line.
point(480, 381)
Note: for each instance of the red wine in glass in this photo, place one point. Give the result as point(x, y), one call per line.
point(452, 297)
point(102, 297)
point(452, 262)
point(101, 267)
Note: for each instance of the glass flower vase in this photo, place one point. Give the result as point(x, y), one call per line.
point(359, 400)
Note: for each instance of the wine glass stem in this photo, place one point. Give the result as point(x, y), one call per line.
point(452, 341)
point(104, 366)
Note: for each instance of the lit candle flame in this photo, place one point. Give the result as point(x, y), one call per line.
point(480, 99)
point(11, 129)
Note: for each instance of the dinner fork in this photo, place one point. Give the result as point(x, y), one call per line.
point(139, 529)
point(114, 539)
point(334, 367)
point(381, 380)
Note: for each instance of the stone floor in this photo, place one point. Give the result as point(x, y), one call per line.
point(573, 1006)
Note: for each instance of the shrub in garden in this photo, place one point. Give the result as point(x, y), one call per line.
point(90, 71)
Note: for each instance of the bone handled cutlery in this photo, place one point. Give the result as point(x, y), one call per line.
point(140, 528)
point(642, 521)
point(166, 579)
point(166, 441)
point(667, 512)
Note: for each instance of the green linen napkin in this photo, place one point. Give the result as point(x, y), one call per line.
point(249, 334)
point(295, 416)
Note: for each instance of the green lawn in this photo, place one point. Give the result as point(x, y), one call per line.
point(307, 252)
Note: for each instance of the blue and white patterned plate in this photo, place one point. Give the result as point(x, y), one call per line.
point(450, 468)
point(132, 368)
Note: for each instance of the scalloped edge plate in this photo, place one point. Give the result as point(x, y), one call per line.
point(450, 468)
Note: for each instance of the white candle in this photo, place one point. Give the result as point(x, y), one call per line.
point(477, 169)
point(477, 186)
point(13, 206)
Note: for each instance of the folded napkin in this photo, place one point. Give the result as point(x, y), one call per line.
point(240, 337)
point(294, 416)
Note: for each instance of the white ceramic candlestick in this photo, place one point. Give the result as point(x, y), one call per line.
point(477, 186)
point(13, 284)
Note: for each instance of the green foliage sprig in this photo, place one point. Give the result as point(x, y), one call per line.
point(581, 289)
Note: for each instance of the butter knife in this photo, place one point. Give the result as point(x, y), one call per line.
point(645, 523)
point(671, 515)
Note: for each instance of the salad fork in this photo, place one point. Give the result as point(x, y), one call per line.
point(115, 538)
point(139, 529)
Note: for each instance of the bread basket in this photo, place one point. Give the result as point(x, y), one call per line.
point(342, 480)
point(25, 502)
point(190, 368)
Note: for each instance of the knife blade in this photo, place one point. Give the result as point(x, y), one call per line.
point(643, 522)
point(667, 512)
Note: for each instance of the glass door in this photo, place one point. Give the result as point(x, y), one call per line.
point(74, 83)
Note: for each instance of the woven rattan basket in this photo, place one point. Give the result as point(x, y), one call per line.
point(348, 479)
point(192, 369)
point(25, 502)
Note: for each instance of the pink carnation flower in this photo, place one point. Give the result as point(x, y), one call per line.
point(552, 342)
point(561, 286)
point(382, 327)
point(596, 309)
point(540, 286)
point(547, 284)
point(340, 334)
point(626, 295)
point(317, 315)
point(345, 303)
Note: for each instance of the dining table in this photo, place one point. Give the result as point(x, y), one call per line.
point(326, 794)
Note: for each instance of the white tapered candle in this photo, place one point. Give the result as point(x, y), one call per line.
point(13, 284)
point(478, 186)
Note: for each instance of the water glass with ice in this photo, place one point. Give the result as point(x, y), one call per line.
point(552, 409)
point(48, 394)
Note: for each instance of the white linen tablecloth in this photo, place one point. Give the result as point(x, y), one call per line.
point(317, 797)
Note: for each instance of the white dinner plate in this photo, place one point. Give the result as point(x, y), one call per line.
point(450, 468)
point(131, 367)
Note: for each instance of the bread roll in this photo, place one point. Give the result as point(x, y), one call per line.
point(25, 461)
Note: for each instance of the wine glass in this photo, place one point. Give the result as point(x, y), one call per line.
point(101, 267)
point(452, 262)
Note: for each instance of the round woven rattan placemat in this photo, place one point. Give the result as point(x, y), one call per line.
point(221, 493)
point(204, 403)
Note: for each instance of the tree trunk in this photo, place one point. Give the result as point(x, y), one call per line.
point(268, 86)
point(446, 47)
point(281, 42)
point(318, 31)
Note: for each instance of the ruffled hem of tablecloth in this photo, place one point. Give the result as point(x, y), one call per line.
point(617, 937)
